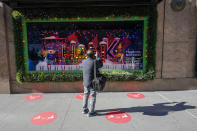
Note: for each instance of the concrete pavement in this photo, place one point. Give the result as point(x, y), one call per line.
point(157, 111)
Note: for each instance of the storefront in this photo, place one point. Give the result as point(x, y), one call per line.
point(51, 39)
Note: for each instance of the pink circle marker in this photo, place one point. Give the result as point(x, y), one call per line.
point(80, 96)
point(33, 97)
point(135, 95)
point(43, 118)
point(118, 117)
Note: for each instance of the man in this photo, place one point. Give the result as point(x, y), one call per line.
point(88, 76)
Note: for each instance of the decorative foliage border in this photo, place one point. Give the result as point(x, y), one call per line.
point(22, 16)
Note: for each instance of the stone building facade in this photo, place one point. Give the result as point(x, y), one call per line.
point(175, 55)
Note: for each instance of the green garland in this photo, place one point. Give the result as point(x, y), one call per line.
point(43, 13)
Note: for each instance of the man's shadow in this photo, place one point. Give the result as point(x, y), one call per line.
point(159, 109)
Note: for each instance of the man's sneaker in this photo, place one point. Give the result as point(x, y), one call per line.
point(91, 114)
point(85, 111)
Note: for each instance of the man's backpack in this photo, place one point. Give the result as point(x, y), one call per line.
point(98, 83)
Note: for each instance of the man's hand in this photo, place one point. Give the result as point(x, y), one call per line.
point(96, 55)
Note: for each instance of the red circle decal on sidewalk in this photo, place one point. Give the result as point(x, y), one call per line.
point(33, 97)
point(135, 95)
point(80, 96)
point(43, 118)
point(118, 117)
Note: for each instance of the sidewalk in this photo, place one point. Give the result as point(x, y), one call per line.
point(157, 111)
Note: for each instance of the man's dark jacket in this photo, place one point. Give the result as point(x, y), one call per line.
point(88, 70)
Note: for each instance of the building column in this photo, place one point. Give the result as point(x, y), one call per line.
point(179, 48)
point(4, 52)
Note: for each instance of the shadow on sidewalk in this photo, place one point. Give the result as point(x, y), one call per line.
point(160, 109)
